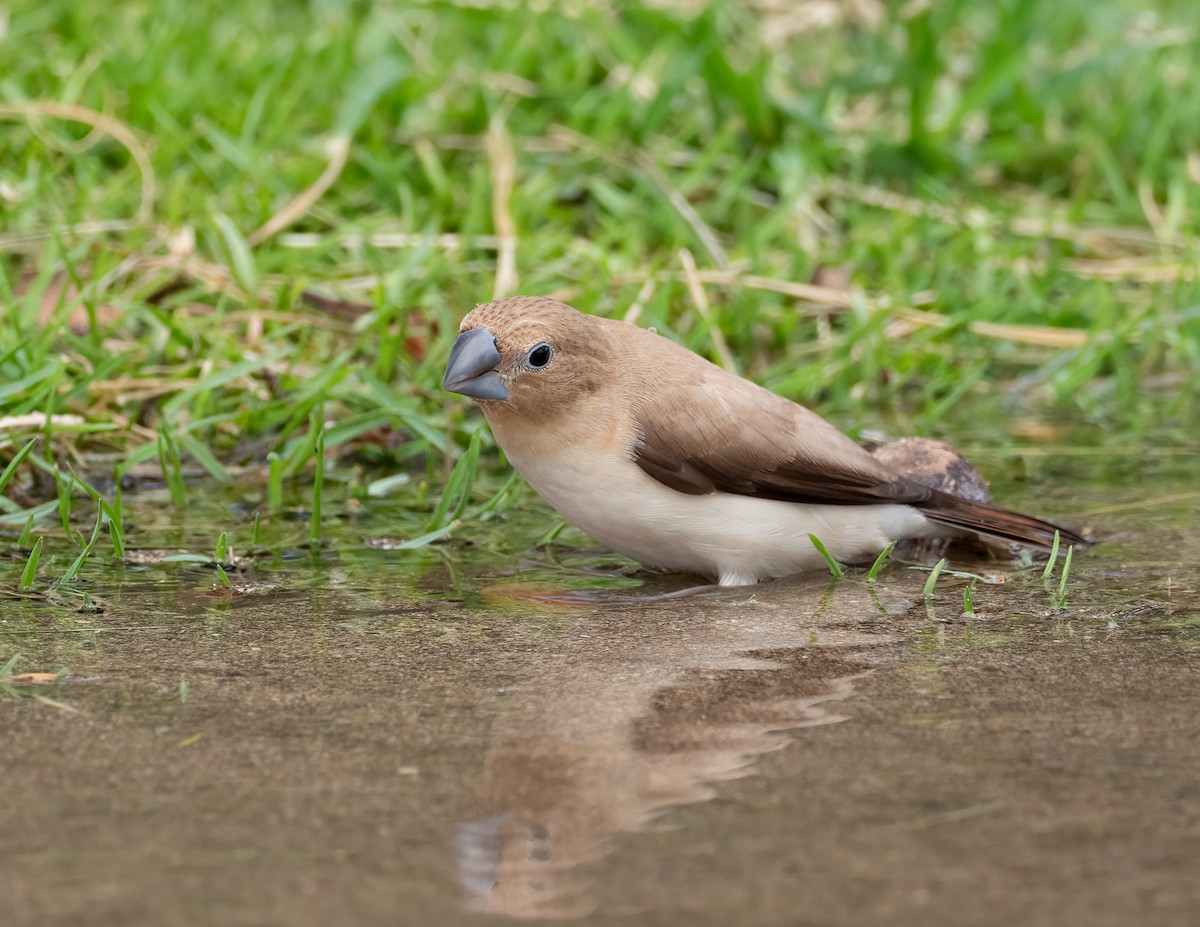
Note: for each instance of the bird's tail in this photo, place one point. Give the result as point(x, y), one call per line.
point(993, 522)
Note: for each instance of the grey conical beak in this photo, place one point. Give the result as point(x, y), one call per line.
point(473, 368)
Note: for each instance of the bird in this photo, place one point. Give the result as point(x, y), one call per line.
point(684, 466)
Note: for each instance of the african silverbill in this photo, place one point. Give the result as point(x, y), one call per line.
point(681, 465)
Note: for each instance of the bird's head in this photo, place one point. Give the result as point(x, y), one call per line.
point(529, 356)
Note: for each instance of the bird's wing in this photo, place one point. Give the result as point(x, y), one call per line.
point(720, 433)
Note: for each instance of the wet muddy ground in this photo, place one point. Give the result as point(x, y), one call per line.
point(368, 736)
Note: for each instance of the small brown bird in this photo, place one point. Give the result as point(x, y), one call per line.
point(670, 460)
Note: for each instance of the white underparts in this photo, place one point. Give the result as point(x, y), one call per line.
point(736, 539)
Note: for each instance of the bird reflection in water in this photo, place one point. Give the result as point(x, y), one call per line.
point(638, 709)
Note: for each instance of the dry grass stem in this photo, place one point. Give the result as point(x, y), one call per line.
point(1041, 335)
point(643, 296)
point(503, 163)
point(36, 421)
point(103, 122)
point(384, 240)
point(1153, 212)
point(1133, 270)
point(978, 217)
point(700, 301)
point(680, 204)
point(821, 295)
point(22, 241)
point(338, 149)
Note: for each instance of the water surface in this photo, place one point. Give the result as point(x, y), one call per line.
point(478, 734)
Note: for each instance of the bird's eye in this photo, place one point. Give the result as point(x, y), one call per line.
point(539, 355)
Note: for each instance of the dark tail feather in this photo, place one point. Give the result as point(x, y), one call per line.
point(991, 521)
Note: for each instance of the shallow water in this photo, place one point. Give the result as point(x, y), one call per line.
point(470, 735)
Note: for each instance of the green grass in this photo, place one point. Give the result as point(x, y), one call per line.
point(219, 220)
point(835, 568)
point(880, 562)
point(931, 580)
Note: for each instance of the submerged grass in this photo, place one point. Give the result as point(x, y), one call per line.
point(223, 223)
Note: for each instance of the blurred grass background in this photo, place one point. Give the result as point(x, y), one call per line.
point(220, 220)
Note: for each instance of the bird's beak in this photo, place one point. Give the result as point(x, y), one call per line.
point(474, 366)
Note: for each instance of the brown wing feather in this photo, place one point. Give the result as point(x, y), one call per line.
point(802, 478)
point(993, 521)
point(720, 433)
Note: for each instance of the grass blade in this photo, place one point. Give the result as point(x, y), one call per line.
point(274, 481)
point(203, 456)
point(11, 470)
point(1053, 561)
point(244, 269)
point(931, 581)
point(880, 561)
point(168, 460)
point(115, 531)
point(64, 487)
point(314, 529)
point(552, 533)
point(30, 572)
point(457, 493)
point(73, 569)
point(26, 537)
point(1060, 597)
point(835, 568)
point(424, 540)
point(504, 496)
